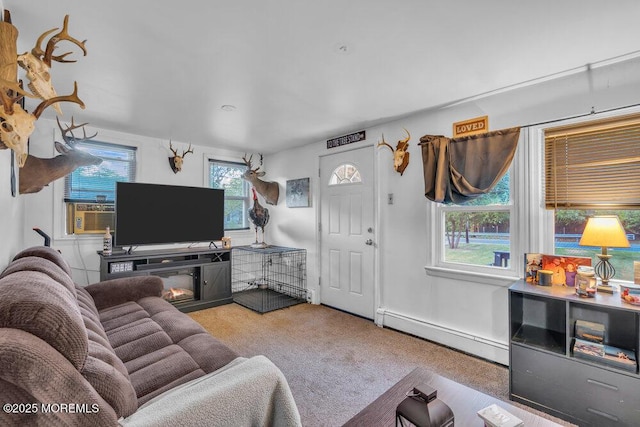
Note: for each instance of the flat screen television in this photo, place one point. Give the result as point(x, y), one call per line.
point(150, 214)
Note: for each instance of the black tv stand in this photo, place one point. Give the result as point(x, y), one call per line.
point(204, 273)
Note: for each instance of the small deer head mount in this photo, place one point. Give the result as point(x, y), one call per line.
point(177, 160)
point(400, 154)
point(269, 190)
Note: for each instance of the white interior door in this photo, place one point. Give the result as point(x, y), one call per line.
point(347, 238)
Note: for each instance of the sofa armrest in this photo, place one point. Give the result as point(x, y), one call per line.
point(34, 374)
point(118, 291)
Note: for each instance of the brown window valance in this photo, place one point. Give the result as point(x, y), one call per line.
point(457, 170)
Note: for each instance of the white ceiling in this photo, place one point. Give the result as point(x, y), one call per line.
point(300, 71)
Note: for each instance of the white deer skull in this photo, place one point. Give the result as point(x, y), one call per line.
point(37, 63)
point(17, 124)
point(15, 131)
point(39, 78)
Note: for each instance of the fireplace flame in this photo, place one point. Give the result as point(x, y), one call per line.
point(177, 294)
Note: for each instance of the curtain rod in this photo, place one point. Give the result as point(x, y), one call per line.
point(591, 113)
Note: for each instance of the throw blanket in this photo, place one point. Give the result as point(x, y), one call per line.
point(246, 392)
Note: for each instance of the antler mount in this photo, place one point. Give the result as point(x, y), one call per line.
point(16, 124)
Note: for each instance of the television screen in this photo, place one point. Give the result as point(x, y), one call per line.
point(148, 214)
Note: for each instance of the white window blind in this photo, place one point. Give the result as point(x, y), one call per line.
point(86, 183)
point(593, 165)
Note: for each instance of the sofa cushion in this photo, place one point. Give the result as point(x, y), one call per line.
point(103, 369)
point(160, 346)
point(208, 352)
point(34, 303)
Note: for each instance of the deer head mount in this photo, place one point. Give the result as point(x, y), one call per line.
point(400, 154)
point(177, 160)
point(17, 125)
point(269, 190)
point(38, 173)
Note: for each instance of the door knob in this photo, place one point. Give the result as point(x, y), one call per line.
point(369, 242)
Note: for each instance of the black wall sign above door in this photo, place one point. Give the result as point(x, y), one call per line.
point(346, 139)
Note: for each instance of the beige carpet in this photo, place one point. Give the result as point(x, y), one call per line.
point(336, 363)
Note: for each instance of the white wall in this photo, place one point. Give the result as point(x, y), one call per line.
point(461, 312)
point(45, 209)
point(11, 213)
point(469, 313)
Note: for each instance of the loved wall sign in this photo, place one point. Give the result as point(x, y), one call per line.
point(471, 126)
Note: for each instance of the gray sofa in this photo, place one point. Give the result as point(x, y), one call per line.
point(115, 352)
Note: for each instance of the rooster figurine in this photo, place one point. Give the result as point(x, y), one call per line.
point(259, 216)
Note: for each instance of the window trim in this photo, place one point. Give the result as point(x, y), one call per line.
point(68, 201)
point(59, 205)
point(534, 230)
point(546, 217)
point(519, 232)
point(211, 159)
point(440, 227)
point(344, 181)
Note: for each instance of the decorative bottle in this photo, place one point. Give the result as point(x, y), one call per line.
point(106, 242)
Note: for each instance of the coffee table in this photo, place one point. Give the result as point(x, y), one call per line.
point(465, 402)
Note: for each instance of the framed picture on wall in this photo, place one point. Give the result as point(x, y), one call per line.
point(298, 193)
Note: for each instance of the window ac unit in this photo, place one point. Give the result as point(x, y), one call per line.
point(92, 218)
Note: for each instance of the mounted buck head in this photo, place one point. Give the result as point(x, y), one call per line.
point(400, 154)
point(37, 173)
point(176, 161)
point(269, 190)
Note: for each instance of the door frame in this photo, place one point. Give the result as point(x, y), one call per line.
point(377, 297)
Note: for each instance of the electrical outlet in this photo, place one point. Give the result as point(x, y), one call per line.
point(390, 198)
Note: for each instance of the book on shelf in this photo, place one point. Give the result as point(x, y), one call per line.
point(605, 354)
point(590, 331)
point(620, 358)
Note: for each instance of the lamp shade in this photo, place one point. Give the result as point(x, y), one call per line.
point(605, 231)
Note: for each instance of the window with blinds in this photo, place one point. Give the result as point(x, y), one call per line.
point(98, 182)
point(594, 165)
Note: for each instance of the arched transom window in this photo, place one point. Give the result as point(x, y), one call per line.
point(345, 174)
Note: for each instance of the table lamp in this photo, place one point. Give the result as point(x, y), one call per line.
point(605, 231)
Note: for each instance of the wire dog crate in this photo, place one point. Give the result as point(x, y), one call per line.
point(267, 279)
